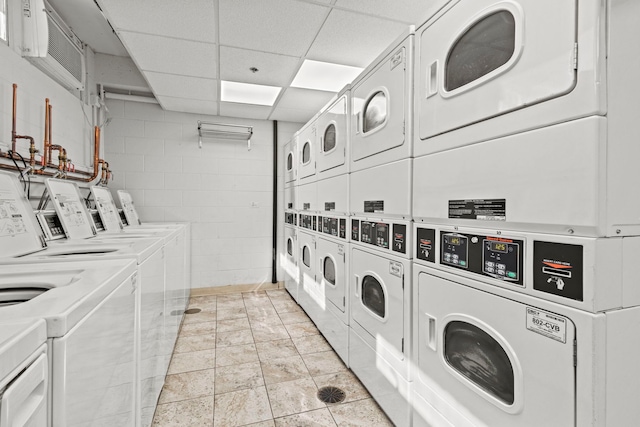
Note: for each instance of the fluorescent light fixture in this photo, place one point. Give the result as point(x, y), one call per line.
point(324, 76)
point(246, 93)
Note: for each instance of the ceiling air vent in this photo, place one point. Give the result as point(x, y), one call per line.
point(51, 46)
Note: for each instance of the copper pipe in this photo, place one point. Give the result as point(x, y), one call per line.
point(32, 153)
point(45, 154)
point(96, 156)
point(50, 109)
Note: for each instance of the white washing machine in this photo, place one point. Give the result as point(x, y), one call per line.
point(332, 250)
point(491, 68)
point(332, 126)
point(307, 146)
point(290, 162)
point(311, 295)
point(572, 295)
point(289, 260)
point(24, 372)
point(380, 312)
point(332, 195)
point(382, 134)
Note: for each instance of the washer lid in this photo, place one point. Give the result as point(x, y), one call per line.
point(18, 341)
point(107, 209)
point(19, 230)
point(71, 209)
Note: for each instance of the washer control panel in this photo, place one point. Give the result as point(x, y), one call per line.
point(375, 233)
point(493, 256)
point(308, 222)
point(336, 227)
point(291, 218)
point(95, 215)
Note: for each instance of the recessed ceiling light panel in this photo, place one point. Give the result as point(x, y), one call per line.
point(324, 76)
point(246, 93)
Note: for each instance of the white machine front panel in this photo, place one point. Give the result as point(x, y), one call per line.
point(485, 58)
point(130, 213)
point(94, 365)
point(71, 209)
point(377, 298)
point(382, 190)
point(107, 208)
point(19, 230)
point(307, 149)
point(379, 110)
point(499, 362)
point(333, 194)
point(290, 261)
point(332, 139)
point(307, 197)
point(546, 180)
point(332, 271)
point(290, 161)
point(290, 193)
point(311, 293)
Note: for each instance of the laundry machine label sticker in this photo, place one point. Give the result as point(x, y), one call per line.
point(306, 206)
point(400, 238)
point(548, 324)
point(355, 230)
point(330, 206)
point(425, 244)
point(340, 250)
point(11, 221)
point(374, 205)
point(558, 269)
point(479, 209)
point(395, 268)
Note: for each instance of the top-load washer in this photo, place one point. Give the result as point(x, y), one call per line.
point(332, 126)
point(381, 136)
point(491, 68)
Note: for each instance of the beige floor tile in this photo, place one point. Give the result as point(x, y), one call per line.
point(236, 355)
point(239, 408)
point(286, 306)
point(326, 362)
point(265, 320)
point(279, 294)
point(284, 369)
point(297, 330)
point(226, 339)
point(203, 316)
point(361, 413)
point(318, 418)
point(238, 377)
point(231, 305)
point(268, 423)
point(204, 300)
point(276, 349)
point(294, 317)
point(231, 313)
point(195, 343)
point(292, 397)
point(188, 385)
point(197, 328)
point(192, 413)
point(229, 297)
point(311, 344)
point(345, 381)
point(269, 332)
point(261, 311)
point(192, 361)
point(233, 325)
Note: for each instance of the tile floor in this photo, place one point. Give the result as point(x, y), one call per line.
point(256, 359)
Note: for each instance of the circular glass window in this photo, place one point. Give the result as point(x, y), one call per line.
point(306, 152)
point(373, 295)
point(290, 161)
point(289, 247)
point(306, 256)
point(375, 112)
point(329, 270)
point(329, 142)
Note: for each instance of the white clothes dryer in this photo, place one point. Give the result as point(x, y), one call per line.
point(490, 68)
point(332, 249)
point(332, 126)
point(306, 199)
point(333, 195)
point(380, 312)
point(290, 162)
point(307, 146)
point(290, 196)
point(311, 295)
point(289, 260)
point(24, 372)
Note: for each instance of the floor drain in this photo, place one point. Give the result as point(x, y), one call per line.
point(192, 311)
point(331, 394)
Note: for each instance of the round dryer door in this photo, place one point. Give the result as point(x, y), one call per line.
point(329, 270)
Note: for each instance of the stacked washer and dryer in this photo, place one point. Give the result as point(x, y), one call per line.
point(526, 297)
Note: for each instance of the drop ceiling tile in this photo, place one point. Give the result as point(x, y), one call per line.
point(248, 111)
point(409, 11)
point(292, 115)
point(185, 105)
point(305, 99)
point(286, 27)
point(273, 69)
point(182, 86)
point(353, 39)
point(172, 56)
point(192, 20)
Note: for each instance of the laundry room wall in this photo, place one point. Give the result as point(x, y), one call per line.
point(222, 189)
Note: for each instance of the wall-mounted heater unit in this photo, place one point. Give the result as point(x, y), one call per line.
point(50, 45)
point(224, 131)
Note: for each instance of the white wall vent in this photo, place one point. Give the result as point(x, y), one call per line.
point(51, 46)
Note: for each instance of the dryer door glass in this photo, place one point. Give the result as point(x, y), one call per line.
point(375, 112)
point(329, 270)
point(290, 162)
point(306, 152)
point(306, 256)
point(289, 247)
point(329, 141)
point(484, 47)
point(477, 356)
point(373, 295)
